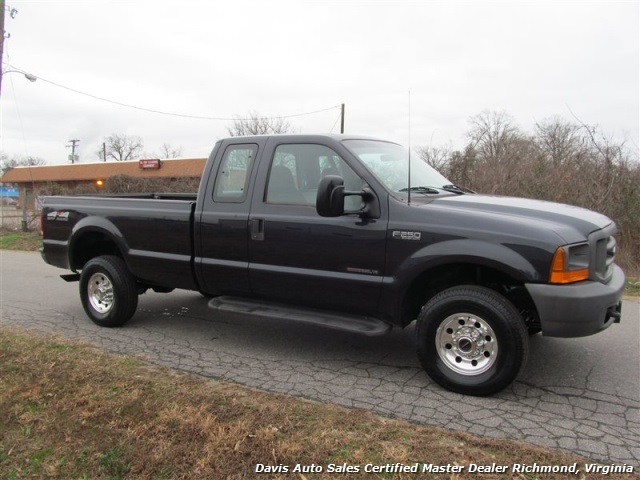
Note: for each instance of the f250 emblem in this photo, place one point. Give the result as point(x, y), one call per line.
point(406, 235)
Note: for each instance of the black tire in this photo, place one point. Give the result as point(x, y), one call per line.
point(472, 340)
point(108, 291)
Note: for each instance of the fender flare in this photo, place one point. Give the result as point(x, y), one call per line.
point(96, 225)
point(466, 251)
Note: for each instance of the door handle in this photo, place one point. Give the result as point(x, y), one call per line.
point(256, 227)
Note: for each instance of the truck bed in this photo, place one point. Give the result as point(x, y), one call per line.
point(153, 231)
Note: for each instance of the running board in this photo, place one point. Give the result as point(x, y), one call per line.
point(350, 323)
point(71, 277)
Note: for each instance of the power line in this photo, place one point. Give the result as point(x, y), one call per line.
point(172, 114)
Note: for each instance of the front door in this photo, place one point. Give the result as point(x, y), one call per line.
point(296, 256)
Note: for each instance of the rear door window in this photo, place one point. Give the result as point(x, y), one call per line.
point(234, 171)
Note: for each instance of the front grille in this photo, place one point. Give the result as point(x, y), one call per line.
point(604, 258)
point(611, 252)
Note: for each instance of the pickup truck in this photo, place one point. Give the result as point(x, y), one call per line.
point(351, 233)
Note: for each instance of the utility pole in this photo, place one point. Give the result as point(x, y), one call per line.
point(2, 7)
point(104, 151)
point(12, 13)
point(73, 150)
point(342, 119)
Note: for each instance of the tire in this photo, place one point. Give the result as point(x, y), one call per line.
point(108, 291)
point(472, 340)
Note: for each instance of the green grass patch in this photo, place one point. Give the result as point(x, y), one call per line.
point(115, 463)
point(26, 241)
point(632, 288)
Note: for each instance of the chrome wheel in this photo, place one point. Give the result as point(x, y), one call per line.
point(471, 340)
point(100, 293)
point(466, 344)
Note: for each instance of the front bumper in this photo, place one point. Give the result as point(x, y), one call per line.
point(579, 309)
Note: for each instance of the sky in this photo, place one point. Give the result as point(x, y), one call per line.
point(407, 71)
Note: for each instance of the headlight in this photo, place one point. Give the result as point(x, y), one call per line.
point(570, 264)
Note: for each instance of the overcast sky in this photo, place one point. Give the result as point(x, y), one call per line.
point(222, 59)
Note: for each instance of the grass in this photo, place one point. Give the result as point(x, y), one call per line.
point(632, 287)
point(71, 411)
point(29, 241)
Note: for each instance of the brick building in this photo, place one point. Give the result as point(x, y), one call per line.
point(33, 182)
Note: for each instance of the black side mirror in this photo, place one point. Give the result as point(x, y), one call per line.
point(330, 199)
point(330, 196)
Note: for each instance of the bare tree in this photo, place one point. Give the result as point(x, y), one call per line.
point(168, 151)
point(437, 157)
point(558, 140)
point(256, 124)
point(122, 147)
point(7, 163)
point(461, 167)
point(491, 134)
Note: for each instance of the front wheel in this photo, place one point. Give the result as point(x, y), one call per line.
point(471, 340)
point(108, 291)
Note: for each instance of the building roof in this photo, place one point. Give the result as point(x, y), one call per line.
point(173, 168)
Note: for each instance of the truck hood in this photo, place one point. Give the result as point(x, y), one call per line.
point(572, 224)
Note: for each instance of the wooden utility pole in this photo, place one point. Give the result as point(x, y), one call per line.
point(73, 149)
point(2, 7)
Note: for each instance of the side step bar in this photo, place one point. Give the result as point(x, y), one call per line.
point(71, 277)
point(350, 323)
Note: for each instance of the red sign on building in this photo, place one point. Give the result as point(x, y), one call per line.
point(150, 164)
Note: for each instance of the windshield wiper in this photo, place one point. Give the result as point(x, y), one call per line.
point(456, 189)
point(435, 190)
point(425, 190)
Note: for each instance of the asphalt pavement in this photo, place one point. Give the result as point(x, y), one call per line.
point(580, 395)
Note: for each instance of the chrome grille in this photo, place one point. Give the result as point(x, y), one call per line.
point(605, 254)
point(611, 252)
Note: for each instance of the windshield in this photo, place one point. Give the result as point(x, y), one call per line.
point(388, 162)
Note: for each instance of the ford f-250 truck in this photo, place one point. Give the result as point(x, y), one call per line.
point(340, 231)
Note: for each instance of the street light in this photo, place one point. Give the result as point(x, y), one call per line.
point(29, 76)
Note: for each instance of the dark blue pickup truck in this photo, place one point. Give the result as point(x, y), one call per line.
point(350, 233)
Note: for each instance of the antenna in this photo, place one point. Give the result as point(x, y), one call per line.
point(409, 169)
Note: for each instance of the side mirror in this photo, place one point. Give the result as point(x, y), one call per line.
point(330, 199)
point(330, 196)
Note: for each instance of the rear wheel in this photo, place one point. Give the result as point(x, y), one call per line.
point(471, 340)
point(108, 291)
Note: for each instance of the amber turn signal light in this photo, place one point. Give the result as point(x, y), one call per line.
point(560, 272)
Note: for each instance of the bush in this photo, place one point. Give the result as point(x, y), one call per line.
point(127, 184)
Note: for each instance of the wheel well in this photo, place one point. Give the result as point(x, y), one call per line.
point(90, 245)
point(437, 279)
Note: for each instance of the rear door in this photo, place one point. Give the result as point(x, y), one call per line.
point(296, 256)
point(222, 255)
